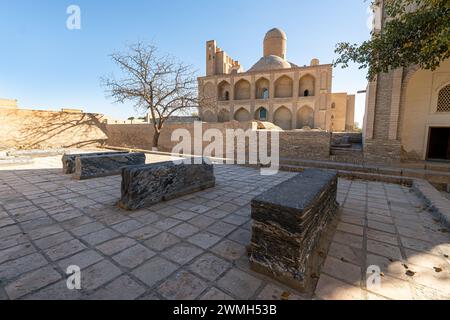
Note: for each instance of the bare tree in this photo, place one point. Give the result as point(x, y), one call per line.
point(158, 84)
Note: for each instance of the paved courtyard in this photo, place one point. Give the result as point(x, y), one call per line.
point(194, 247)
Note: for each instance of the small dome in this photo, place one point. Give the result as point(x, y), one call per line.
point(315, 62)
point(276, 33)
point(270, 63)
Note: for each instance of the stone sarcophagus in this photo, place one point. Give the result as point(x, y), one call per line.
point(289, 221)
point(89, 167)
point(150, 184)
point(68, 160)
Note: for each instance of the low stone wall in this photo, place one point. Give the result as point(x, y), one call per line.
point(354, 137)
point(437, 204)
point(140, 136)
point(385, 152)
point(36, 129)
point(311, 145)
point(293, 144)
point(352, 156)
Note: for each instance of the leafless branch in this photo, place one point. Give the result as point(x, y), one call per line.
point(158, 84)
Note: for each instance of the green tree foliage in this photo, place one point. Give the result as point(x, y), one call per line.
point(416, 32)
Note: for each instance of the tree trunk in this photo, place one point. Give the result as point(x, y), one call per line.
point(155, 140)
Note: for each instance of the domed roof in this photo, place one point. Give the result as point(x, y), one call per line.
point(276, 33)
point(270, 63)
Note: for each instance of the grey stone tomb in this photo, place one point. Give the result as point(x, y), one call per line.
point(68, 160)
point(150, 184)
point(89, 167)
point(290, 221)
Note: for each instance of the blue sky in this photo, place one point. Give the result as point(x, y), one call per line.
point(46, 66)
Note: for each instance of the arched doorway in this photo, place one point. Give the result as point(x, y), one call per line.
point(261, 114)
point(208, 116)
point(283, 87)
point(306, 86)
point(224, 90)
point(262, 89)
point(424, 121)
point(242, 115)
point(223, 116)
point(283, 118)
point(209, 91)
point(305, 117)
point(242, 90)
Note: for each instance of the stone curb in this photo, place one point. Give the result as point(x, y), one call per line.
point(438, 205)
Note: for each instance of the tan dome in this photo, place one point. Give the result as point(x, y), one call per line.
point(315, 62)
point(275, 43)
point(276, 33)
point(271, 63)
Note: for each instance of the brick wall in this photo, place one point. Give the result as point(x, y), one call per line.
point(354, 137)
point(293, 144)
point(140, 136)
point(383, 106)
point(33, 129)
point(312, 145)
point(382, 151)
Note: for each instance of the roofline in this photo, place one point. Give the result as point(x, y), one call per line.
point(268, 71)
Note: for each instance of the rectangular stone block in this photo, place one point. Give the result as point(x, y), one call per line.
point(290, 221)
point(68, 160)
point(105, 165)
point(150, 184)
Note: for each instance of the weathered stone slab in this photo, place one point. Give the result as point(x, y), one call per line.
point(68, 160)
point(88, 167)
point(289, 222)
point(150, 184)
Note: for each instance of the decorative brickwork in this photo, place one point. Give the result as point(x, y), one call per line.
point(444, 100)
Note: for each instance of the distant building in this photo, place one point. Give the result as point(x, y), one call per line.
point(8, 103)
point(175, 119)
point(71, 110)
point(274, 90)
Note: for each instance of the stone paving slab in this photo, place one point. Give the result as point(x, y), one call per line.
point(194, 247)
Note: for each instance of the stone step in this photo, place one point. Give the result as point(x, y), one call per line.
point(36, 153)
point(434, 177)
point(347, 155)
point(9, 161)
point(428, 165)
point(341, 166)
point(339, 150)
point(358, 175)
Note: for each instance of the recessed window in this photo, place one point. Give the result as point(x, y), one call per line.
point(333, 105)
point(443, 104)
point(265, 93)
point(306, 93)
point(262, 114)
